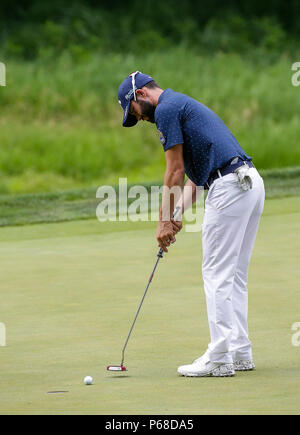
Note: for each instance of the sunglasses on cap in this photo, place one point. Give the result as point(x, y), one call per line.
point(132, 75)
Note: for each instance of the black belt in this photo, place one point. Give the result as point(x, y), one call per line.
point(234, 164)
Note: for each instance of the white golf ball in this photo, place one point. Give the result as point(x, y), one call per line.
point(88, 380)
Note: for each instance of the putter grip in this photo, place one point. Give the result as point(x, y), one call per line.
point(174, 215)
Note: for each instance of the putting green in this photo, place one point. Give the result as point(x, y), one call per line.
point(69, 293)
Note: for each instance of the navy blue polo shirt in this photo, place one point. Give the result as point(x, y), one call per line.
point(207, 143)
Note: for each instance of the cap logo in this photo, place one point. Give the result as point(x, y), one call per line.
point(130, 93)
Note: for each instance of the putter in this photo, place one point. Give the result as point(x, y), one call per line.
point(160, 254)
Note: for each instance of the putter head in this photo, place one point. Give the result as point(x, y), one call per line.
point(116, 368)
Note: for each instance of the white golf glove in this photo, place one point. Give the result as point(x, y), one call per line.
point(244, 179)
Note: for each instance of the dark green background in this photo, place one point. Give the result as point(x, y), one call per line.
point(150, 24)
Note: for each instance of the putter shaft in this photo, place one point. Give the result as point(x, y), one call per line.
point(159, 256)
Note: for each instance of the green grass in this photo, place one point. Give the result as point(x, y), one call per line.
point(69, 296)
point(82, 203)
point(61, 122)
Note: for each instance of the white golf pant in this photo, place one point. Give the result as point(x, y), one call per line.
point(229, 230)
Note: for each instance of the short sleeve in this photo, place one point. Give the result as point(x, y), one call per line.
point(168, 122)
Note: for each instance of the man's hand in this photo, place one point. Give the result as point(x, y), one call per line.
point(165, 234)
point(177, 226)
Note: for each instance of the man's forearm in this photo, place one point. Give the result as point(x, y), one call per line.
point(173, 184)
point(189, 195)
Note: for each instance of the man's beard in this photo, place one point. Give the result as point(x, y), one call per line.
point(148, 110)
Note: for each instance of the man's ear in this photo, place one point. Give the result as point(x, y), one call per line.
point(141, 93)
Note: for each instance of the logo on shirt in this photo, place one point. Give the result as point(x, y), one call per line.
point(161, 137)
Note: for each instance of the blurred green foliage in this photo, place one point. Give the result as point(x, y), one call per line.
point(33, 28)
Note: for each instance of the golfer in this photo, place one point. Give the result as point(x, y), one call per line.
point(198, 144)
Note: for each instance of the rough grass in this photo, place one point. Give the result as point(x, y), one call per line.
point(82, 203)
point(61, 122)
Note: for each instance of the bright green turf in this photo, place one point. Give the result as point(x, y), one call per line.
point(70, 291)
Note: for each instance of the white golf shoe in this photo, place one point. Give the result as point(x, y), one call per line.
point(243, 365)
point(201, 367)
